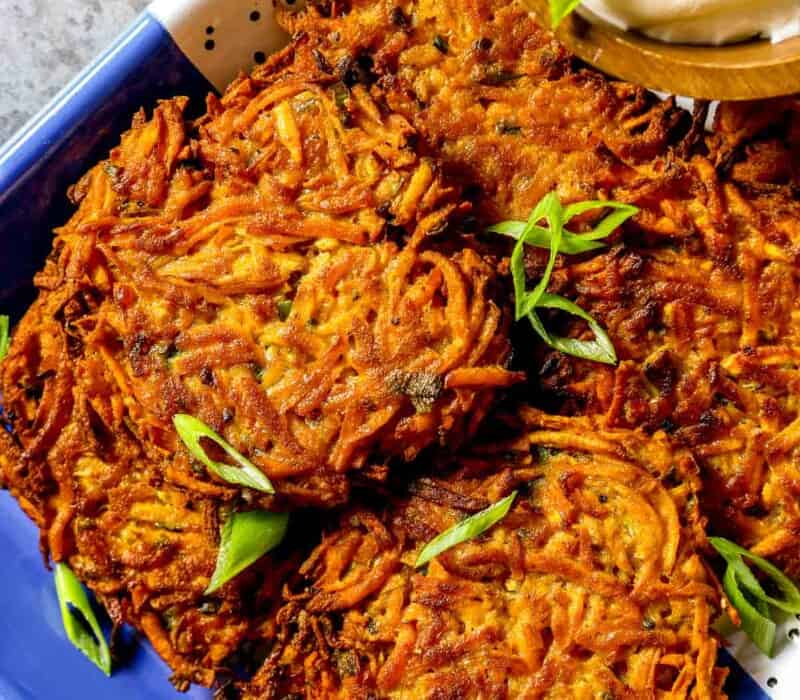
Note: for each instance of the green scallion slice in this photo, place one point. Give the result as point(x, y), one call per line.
point(748, 596)
point(284, 309)
point(5, 336)
point(561, 9)
point(756, 623)
point(191, 431)
point(601, 349)
point(549, 209)
point(571, 243)
point(245, 538)
point(557, 239)
point(467, 529)
point(538, 236)
point(734, 555)
point(72, 597)
point(620, 213)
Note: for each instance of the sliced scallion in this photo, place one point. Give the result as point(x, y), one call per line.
point(72, 597)
point(245, 538)
point(601, 349)
point(550, 210)
point(561, 9)
point(734, 555)
point(284, 309)
point(571, 243)
point(748, 596)
point(191, 431)
point(754, 615)
point(557, 239)
point(467, 529)
point(5, 337)
point(620, 213)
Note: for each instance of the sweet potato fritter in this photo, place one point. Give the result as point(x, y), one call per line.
point(286, 269)
point(591, 587)
point(164, 293)
point(699, 293)
point(147, 547)
point(293, 269)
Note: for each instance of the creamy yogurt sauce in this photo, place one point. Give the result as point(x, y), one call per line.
point(700, 21)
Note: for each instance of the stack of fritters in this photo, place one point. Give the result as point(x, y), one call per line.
point(289, 270)
point(699, 293)
point(591, 586)
point(298, 269)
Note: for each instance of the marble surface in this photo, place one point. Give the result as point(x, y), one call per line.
point(45, 43)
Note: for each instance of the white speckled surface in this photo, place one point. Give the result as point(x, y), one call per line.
point(45, 43)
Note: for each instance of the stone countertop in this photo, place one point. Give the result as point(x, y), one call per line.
point(46, 43)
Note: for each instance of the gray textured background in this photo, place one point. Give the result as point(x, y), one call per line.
point(45, 43)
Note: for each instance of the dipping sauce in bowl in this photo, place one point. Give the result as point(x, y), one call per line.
point(712, 22)
point(705, 49)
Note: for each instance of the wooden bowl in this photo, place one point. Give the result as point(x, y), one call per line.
point(745, 71)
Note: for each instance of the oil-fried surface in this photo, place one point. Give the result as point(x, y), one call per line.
point(290, 269)
point(699, 293)
point(146, 547)
point(591, 587)
point(284, 269)
point(164, 291)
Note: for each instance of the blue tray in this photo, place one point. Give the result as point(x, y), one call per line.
point(187, 47)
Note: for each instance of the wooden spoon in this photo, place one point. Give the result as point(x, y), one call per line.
point(745, 71)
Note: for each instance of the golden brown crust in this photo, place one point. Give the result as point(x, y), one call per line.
point(166, 284)
point(308, 183)
point(592, 585)
point(699, 293)
point(165, 293)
